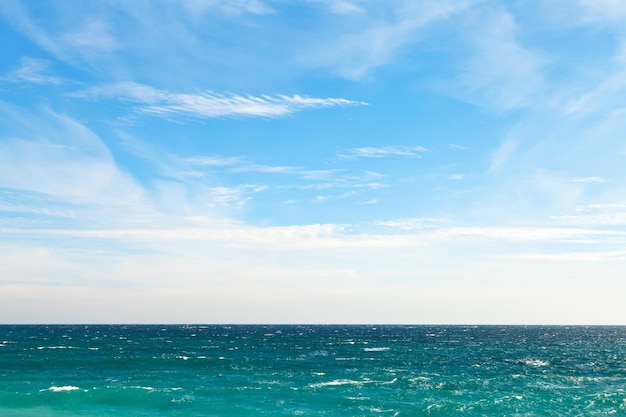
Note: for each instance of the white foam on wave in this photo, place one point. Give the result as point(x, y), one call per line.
point(535, 362)
point(184, 399)
point(56, 347)
point(376, 349)
point(335, 383)
point(61, 389)
point(382, 410)
point(339, 382)
point(141, 387)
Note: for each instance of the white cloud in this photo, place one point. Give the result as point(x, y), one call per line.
point(384, 152)
point(437, 230)
point(234, 197)
point(568, 257)
point(344, 7)
point(421, 232)
point(228, 232)
point(32, 71)
point(407, 224)
point(591, 180)
point(214, 161)
point(320, 199)
point(218, 105)
point(239, 164)
point(366, 180)
point(28, 205)
point(604, 93)
point(209, 104)
point(604, 10)
point(292, 268)
point(596, 215)
point(55, 155)
point(502, 73)
point(370, 202)
point(502, 155)
point(266, 169)
point(232, 7)
point(380, 35)
point(528, 234)
point(83, 39)
point(92, 37)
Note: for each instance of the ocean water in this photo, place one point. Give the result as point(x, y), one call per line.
point(296, 370)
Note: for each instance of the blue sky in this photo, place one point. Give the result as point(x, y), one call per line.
point(313, 162)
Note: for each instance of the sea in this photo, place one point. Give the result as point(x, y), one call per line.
point(311, 370)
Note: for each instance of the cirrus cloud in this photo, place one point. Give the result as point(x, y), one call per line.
point(383, 152)
point(208, 104)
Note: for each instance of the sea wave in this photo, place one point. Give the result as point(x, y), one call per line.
point(56, 347)
point(141, 387)
point(339, 382)
point(535, 362)
point(64, 388)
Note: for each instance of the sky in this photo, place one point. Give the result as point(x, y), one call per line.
point(314, 161)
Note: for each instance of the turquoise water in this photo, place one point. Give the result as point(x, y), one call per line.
point(312, 371)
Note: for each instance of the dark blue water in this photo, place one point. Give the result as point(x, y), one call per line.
point(312, 371)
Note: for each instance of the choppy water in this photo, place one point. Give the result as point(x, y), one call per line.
point(347, 371)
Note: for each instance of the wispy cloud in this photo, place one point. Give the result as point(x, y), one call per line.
point(591, 180)
point(367, 180)
point(529, 234)
point(501, 155)
point(344, 7)
point(33, 71)
point(433, 230)
point(297, 178)
point(383, 33)
point(89, 38)
point(604, 10)
point(457, 147)
point(239, 164)
point(420, 233)
point(369, 202)
point(232, 7)
point(596, 215)
point(384, 152)
point(408, 224)
point(568, 257)
point(214, 161)
point(208, 104)
point(488, 79)
point(57, 156)
point(233, 197)
point(605, 93)
point(92, 37)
